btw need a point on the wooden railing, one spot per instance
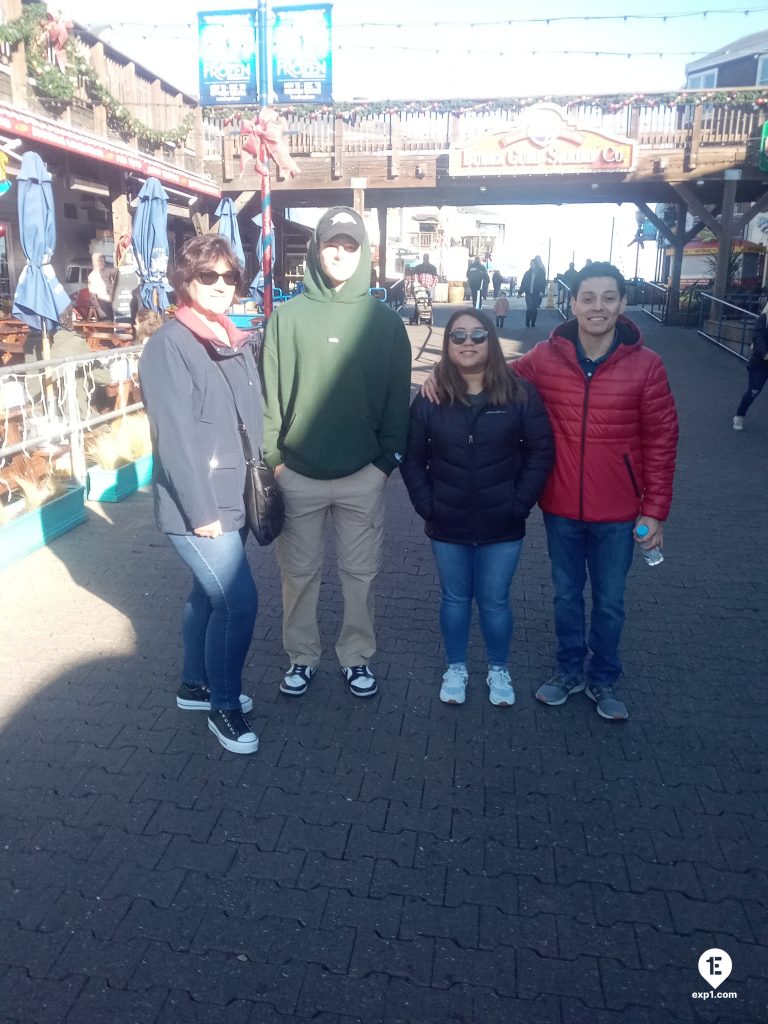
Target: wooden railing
(651, 124)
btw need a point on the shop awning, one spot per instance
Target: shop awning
(52, 133)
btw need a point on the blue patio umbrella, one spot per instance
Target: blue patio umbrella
(229, 228)
(149, 239)
(256, 290)
(39, 299)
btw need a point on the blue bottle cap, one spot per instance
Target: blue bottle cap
(641, 530)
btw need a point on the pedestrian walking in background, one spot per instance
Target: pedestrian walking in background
(337, 374)
(474, 467)
(533, 286)
(757, 368)
(501, 309)
(198, 379)
(426, 275)
(477, 279)
(496, 281)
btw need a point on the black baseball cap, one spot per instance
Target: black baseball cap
(338, 221)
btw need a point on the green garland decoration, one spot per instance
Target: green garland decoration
(57, 88)
(352, 112)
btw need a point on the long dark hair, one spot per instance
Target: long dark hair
(201, 253)
(499, 383)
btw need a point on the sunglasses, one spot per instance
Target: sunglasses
(477, 337)
(210, 277)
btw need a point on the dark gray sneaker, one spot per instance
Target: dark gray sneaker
(233, 732)
(198, 698)
(559, 688)
(608, 704)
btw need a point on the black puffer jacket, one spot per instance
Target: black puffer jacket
(474, 473)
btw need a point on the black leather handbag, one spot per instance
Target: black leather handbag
(264, 508)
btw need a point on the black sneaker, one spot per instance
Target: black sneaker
(361, 680)
(198, 698)
(233, 732)
(297, 679)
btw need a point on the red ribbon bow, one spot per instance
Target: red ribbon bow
(267, 128)
(58, 29)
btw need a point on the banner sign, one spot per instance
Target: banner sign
(544, 139)
(54, 133)
(301, 54)
(227, 47)
(762, 161)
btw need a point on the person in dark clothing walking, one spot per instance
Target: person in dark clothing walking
(474, 467)
(496, 282)
(757, 368)
(477, 278)
(533, 286)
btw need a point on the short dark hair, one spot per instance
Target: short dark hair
(599, 270)
(499, 383)
(201, 253)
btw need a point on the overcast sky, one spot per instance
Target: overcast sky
(404, 50)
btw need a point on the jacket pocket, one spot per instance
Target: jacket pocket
(631, 473)
(227, 474)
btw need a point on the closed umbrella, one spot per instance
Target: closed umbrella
(256, 290)
(229, 228)
(149, 239)
(39, 299)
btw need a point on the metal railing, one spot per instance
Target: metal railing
(49, 407)
(655, 300)
(727, 325)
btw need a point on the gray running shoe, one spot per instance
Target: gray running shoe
(608, 704)
(559, 688)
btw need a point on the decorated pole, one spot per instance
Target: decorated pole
(266, 142)
(266, 229)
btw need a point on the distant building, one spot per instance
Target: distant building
(741, 63)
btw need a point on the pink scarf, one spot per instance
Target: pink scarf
(192, 320)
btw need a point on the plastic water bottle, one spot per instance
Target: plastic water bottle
(652, 556)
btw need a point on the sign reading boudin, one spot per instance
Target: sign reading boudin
(543, 139)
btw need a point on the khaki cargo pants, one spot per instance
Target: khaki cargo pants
(354, 506)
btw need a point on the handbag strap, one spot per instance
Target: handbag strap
(244, 439)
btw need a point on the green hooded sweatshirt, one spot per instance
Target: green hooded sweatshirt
(336, 376)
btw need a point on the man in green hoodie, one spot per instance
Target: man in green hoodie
(336, 375)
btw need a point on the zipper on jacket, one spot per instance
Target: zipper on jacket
(631, 472)
(584, 411)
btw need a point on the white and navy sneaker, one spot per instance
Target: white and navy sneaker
(198, 698)
(362, 682)
(233, 732)
(297, 679)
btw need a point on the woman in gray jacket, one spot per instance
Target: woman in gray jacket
(198, 377)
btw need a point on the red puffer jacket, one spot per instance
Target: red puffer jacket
(615, 434)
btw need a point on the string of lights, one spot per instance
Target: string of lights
(477, 23)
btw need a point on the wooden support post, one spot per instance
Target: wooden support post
(358, 202)
(673, 301)
(99, 65)
(382, 213)
(691, 157)
(337, 163)
(395, 142)
(732, 178)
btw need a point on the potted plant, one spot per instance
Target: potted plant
(36, 511)
(122, 459)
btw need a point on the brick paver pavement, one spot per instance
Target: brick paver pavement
(395, 861)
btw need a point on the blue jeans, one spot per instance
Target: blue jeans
(219, 614)
(483, 572)
(605, 550)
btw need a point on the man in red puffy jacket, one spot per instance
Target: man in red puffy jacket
(615, 428)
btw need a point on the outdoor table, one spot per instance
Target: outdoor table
(103, 334)
(13, 334)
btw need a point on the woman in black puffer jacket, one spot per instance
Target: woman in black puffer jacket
(475, 465)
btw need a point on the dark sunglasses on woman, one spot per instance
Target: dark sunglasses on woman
(477, 336)
(211, 277)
